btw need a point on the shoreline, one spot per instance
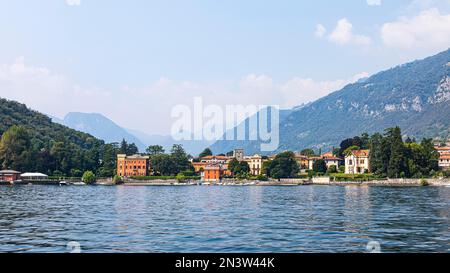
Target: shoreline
(299, 182)
(230, 183)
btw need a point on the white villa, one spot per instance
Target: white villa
(357, 162)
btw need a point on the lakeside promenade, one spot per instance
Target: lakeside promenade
(296, 182)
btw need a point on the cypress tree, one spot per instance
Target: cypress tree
(396, 162)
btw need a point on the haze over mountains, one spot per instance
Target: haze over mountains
(414, 96)
(104, 128)
(99, 126)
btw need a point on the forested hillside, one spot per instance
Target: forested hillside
(32, 142)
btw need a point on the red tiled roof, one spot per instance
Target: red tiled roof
(361, 153)
(329, 154)
(214, 157)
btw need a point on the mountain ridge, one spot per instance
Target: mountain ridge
(414, 96)
(100, 126)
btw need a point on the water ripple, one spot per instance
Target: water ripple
(224, 219)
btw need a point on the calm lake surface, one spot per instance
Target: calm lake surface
(224, 219)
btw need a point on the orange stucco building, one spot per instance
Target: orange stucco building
(135, 165)
(212, 173)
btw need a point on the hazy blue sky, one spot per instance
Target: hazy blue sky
(142, 57)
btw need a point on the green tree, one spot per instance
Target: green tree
(350, 149)
(132, 149)
(108, 160)
(308, 152)
(128, 149)
(397, 161)
(123, 147)
(62, 154)
(243, 168)
(376, 154)
(180, 159)
(15, 149)
(266, 168)
(320, 166)
(238, 168)
(155, 150)
(362, 142)
(117, 180)
(181, 178)
(206, 152)
(233, 165)
(431, 156)
(89, 177)
(284, 166)
(332, 169)
(76, 173)
(163, 164)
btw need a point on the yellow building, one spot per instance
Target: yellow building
(255, 163)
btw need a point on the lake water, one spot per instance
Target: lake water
(224, 219)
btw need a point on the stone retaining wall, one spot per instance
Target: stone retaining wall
(388, 182)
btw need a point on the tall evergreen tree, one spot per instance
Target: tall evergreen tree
(206, 152)
(376, 154)
(155, 150)
(397, 166)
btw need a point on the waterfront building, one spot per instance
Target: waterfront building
(444, 161)
(332, 160)
(255, 163)
(357, 162)
(199, 166)
(312, 160)
(302, 161)
(307, 163)
(444, 157)
(212, 173)
(135, 165)
(33, 176)
(9, 175)
(214, 159)
(443, 150)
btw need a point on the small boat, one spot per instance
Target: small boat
(206, 184)
(79, 184)
(63, 183)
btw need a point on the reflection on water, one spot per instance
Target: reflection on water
(224, 219)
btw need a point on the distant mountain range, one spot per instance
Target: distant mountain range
(104, 128)
(414, 96)
(99, 126)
